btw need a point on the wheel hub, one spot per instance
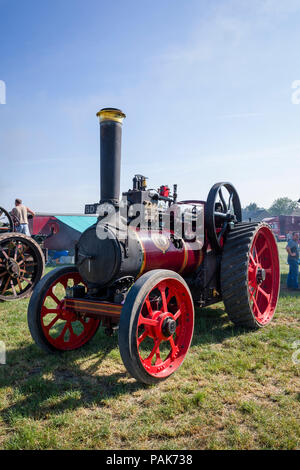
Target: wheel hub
(66, 313)
(13, 268)
(168, 327)
(260, 275)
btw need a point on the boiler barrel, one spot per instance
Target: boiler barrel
(158, 252)
(101, 261)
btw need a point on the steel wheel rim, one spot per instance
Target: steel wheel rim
(156, 322)
(18, 268)
(220, 211)
(59, 330)
(6, 223)
(263, 276)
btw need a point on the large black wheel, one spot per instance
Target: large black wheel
(6, 221)
(222, 209)
(156, 326)
(250, 275)
(22, 265)
(52, 326)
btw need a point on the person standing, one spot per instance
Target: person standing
(293, 260)
(20, 217)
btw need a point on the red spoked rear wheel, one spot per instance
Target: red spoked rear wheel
(263, 275)
(52, 325)
(250, 275)
(156, 326)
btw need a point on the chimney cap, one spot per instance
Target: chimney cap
(111, 114)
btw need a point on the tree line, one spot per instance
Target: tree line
(281, 206)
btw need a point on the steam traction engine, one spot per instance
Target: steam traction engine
(147, 262)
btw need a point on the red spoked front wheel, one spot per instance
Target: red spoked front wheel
(51, 324)
(156, 326)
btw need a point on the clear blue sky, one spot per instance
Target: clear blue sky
(205, 84)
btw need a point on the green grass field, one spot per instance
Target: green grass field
(236, 389)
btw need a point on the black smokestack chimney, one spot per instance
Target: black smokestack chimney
(110, 153)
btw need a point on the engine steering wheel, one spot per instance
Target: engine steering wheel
(222, 209)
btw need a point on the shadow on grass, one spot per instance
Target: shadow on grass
(44, 385)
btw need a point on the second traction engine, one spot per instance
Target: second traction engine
(147, 262)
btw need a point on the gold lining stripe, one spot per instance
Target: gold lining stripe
(185, 258)
(200, 255)
(95, 307)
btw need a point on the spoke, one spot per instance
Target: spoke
(51, 310)
(3, 274)
(164, 300)
(142, 337)
(154, 350)
(147, 321)
(178, 313)
(264, 293)
(64, 282)
(19, 284)
(149, 307)
(255, 303)
(262, 249)
(252, 293)
(9, 248)
(173, 346)
(4, 253)
(60, 338)
(53, 296)
(220, 235)
(252, 259)
(52, 323)
(25, 279)
(13, 288)
(30, 264)
(229, 202)
(223, 200)
(170, 295)
(158, 358)
(72, 334)
(6, 285)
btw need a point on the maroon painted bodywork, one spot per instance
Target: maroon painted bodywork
(160, 253)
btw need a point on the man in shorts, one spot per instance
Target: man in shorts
(20, 217)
